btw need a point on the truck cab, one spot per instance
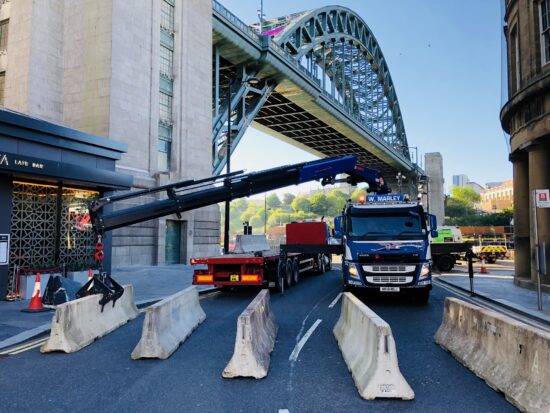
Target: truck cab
(386, 245)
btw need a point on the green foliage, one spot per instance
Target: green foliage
(465, 194)
(320, 204)
(301, 203)
(273, 201)
(288, 198)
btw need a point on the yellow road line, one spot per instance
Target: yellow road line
(26, 348)
(22, 347)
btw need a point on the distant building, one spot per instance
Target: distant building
(475, 186)
(497, 198)
(490, 185)
(525, 117)
(460, 180)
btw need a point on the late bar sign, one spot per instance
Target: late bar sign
(19, 162)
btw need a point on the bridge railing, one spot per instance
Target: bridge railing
(290, 60)
(236, 21)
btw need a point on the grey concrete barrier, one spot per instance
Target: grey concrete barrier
(78, 323)
(368, 347)
(254, 341)
(510, 356)
(168, 323)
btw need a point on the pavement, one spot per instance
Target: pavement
(317, 380)
(498, 285)
(151, 283)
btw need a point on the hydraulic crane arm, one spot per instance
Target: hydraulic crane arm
(188, 195)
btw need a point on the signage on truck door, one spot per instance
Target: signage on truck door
(543, 198)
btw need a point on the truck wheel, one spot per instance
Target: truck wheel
(288, 273)
(295, 271)
(445, 263)
(320, 264)
(280, 276)
(328, 267)
(491, 260)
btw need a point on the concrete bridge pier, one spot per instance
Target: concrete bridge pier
(539, 178)
(522, 213)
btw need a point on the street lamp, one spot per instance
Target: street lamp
(238, 81)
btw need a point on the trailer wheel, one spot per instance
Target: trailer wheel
(288, 273)
(295, 271)
(320, 264)
(445, 263)
(328, 267)
(280, 276)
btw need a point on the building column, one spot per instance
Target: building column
(539, 178)
(5, 225)
(522, 246)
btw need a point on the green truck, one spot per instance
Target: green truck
(447, 247)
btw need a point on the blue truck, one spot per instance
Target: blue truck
(386, 246)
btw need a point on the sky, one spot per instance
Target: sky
(445, 60)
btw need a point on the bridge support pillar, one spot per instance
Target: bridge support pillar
(522, 214)
(539, 178)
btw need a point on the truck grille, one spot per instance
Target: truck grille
(389, 279)
(389, 268)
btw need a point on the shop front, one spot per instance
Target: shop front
(48, 174)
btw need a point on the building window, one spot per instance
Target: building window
(165, 101)
(2, 87)
(515, 72)
(166, 60)
(4, 26)
(167, 15)
(164, 147)
(544, 12)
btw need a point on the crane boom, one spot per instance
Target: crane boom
(188, 195)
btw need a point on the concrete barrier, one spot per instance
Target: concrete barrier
(368, 347)
(250, 243)
(510, 356)
(78, 323)
(255, 340)
(168, 323)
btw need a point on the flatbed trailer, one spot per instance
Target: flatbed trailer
(271, 269)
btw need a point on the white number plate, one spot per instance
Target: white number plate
(390, 289)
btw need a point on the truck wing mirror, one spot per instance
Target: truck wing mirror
(433, 222)
(435, 234)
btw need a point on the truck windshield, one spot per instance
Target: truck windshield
(383, 226)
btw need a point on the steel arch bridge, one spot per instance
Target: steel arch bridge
(324, 87)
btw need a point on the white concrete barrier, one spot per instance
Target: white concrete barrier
(168, 323)
(250, 243)
(78, 323)
(255, 340)
(368, 347)
(510, 356)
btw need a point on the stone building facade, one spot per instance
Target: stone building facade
(497, 198)
(526, 117)
(138, 72)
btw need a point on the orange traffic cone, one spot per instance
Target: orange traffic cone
(483, 267)
(36, 306)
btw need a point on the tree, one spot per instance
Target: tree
(465, 194)
(273, 201)
(320, 204)
(288, 198)
(301, 203)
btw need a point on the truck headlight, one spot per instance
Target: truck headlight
(353, 271)
(425, 270)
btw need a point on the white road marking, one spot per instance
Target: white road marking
(302, 342)
(283, 411)
(335, 300)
